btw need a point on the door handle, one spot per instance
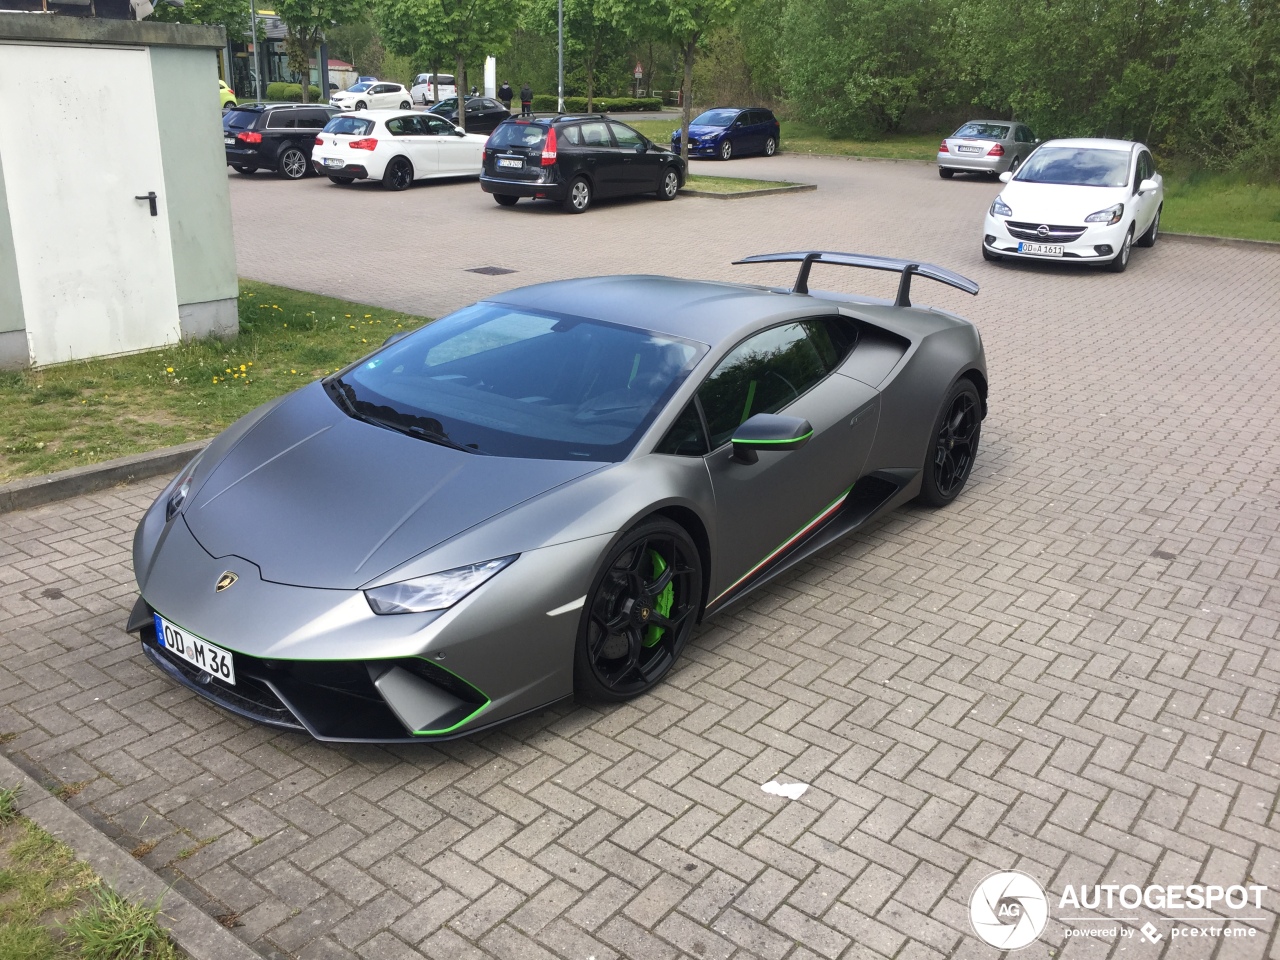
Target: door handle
(150, 197)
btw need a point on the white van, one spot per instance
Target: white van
(423, 93)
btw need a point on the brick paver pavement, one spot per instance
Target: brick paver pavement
(1073, 671)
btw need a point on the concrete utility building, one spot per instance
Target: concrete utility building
(115, 218)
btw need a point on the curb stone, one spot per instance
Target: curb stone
(199, 935)
(763, 192)
(1268, 245)
(37, 491)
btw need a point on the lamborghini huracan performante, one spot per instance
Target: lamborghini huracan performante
(543, 493)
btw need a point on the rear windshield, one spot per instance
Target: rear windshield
(510, 382)
(983, 131)
(715, 118)
(518, 135)
(349, 126)
(240, 119)
(1076, 166)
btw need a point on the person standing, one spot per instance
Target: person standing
(526, 101)
(506, 94)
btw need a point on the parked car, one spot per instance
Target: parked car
(483, 113)
(1084, 201)
(569, 477)
(985, 146)
(726, 132)
(424, 92)
(227, 96)
(576, 160)
(396, 147)
(372, 95)
(273, 136)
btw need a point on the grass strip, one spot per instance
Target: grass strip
(732, 184)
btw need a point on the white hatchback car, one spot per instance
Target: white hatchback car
(1082, 201)
(396, 147)
(372, 95)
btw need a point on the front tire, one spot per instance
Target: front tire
(989, 256)
(398, 175)
(361, 105)
(670, 185)
(639, 613)
(1121, 260)
(579, 198)
(505, 200)
(292, 164)
(1148, 239)
(726, 149)
(770, 147)
(954, 446)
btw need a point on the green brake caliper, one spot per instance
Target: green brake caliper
(662, 602)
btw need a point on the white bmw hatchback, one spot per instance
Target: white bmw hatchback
(1080, 201)
(396, 147)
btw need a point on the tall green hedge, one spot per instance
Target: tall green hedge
(290, 92)
(546, 103)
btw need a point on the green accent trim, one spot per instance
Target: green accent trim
(463, 722)
(762, 443)
(635, 368)
(746, 407)
(662, 603)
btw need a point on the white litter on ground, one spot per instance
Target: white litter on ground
(792, 791)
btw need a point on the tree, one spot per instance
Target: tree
(232, 14)
(305, 22)
(595, 34)
(432, 31)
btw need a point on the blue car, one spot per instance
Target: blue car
(726, 132)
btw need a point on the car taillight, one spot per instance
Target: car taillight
(368, 143)
(230, 91)
(943, 147)
(996, 151)
(249, 136)
(319, 142)
(549, 148)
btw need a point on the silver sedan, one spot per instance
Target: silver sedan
(985, 146)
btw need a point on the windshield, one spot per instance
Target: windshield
(983, 131)
(715, 118)
(359, 88)
(349, 126)
(1077, 167)
(514, 383)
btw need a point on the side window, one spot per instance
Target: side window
(399, 127)
(571, 135)
(596, 135)
(281, 120)
(627, 138)
(1148, 165)
(763, 375)
(437, 126)
(685, 438)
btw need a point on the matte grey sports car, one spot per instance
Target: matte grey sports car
(543, 493)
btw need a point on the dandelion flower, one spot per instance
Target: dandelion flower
(293, 371)
(242, 366)
(368, 315)
(168, 369)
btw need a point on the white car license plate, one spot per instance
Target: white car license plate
(199, 653)
(229, 141)
(508, 162)
(963, 149)
(332, 162)
(1041, 249)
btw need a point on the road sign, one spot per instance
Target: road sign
(639, 70)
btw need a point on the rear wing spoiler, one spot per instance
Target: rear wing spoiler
(807, 258)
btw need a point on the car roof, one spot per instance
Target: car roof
(1002, 123)
(1093, 143)
(703, 310)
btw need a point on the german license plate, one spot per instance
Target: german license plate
(229, 141)
(1041, 249)
(332, 162)
(510, 162)
(964, 149)
(196, 651)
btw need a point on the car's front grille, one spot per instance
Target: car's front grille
(249, 697)
(1053, 233)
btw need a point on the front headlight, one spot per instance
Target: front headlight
(1000, 209)
(438, 591)
(1108, 216)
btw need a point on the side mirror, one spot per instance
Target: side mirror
(1006, 176)
(769, 432)
(1146, 185)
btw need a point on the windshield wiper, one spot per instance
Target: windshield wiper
(380, 415)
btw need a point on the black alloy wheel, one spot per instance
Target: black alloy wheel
(726, 149)
(292, 164)
(505, 199)
(398, 175)
(639, 614)
(670, 185)
(770, 147)
(955, 445)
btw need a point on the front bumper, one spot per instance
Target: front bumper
(1097, 242)
(538, 190)
(697, 149)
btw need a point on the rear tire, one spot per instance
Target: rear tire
(1148, 239)
(505, 200)
(292, 164)
(770, 147)
(670, 185)
(1121, 260)
(406, 105)
(953, 446)
(579, 196)
(946, 174)
(398, 175)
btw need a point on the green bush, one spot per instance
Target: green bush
(546, 103)
(290, 92)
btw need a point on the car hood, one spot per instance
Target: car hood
(697, 131)
(1057, 204)
(317, 499)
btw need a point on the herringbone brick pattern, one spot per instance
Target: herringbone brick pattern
(1073, 671)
